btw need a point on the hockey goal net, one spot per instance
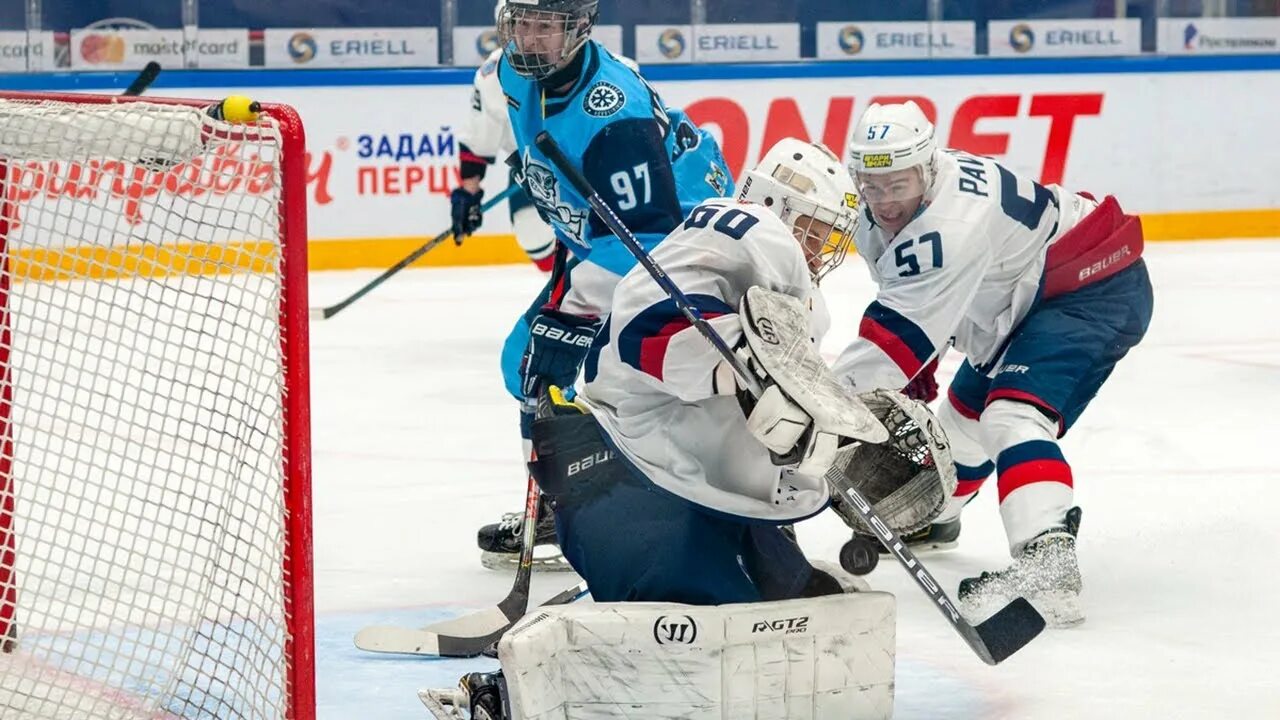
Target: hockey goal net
(154, 437)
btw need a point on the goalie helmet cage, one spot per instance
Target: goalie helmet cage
(155, 523)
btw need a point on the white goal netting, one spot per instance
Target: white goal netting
(147, 568)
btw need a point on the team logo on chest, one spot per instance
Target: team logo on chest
(543, 187)
(603, 99)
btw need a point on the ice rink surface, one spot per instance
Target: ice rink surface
(415, 446)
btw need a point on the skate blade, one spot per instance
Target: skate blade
(1060, 609)
(444, 704)
(507, 562)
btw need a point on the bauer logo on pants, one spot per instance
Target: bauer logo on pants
(675, 630)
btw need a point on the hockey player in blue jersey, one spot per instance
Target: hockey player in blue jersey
(649, 162)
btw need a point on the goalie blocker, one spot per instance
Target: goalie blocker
(823, 658)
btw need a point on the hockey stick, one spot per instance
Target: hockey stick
(470, 635)
(467, 636)
(994, 639)
(143, 81)
(461, 637)
(327, 312)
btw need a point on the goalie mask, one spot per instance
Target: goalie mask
(892, 158)
(907, 479)
(540, 37)
(804, 185)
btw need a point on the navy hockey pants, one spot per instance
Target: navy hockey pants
(637, 542)
(1064, 350)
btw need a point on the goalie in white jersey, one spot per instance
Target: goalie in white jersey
(676, 487)
(1042, 290)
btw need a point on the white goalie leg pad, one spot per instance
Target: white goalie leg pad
(776, 327)
(818, 658)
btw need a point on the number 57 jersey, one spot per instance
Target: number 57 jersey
(965, 270)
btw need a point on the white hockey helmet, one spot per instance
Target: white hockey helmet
(891, 138)
(804, 185)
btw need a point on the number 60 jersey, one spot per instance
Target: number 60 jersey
(965, 270)
(649, 379)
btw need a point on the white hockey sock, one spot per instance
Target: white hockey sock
(1035, 482)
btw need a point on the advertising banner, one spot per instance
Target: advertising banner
(118, 49)
(17, 56)
(1064, 38)
(886, 40)
(713, 43)
(386, 170)
(351, 47)
(1218, 35)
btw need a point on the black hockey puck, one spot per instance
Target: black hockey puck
(860, 555)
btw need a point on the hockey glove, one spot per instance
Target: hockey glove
(924, 386)
(558, 343)
(777, 421)
(790, 434)
(465, 213)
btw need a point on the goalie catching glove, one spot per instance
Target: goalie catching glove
(804, 410)
(908, 478)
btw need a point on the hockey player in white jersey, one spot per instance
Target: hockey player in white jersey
(691, 479)
(1043, 290)
(671, 484)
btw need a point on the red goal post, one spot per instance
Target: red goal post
(155, 510)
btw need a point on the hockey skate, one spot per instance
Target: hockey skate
(848, 582)
(861, 554)
(937, 536)
(500, 542)
(479, 696)
(1046, 573)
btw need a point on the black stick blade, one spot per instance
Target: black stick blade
(1006, 632)
(144, 80)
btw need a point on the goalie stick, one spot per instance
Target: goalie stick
(325, 313)
(994, 639)
(461, 637)
(470, 635)
(143, 81)
(467, 636)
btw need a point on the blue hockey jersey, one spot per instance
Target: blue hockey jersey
(648, 162)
